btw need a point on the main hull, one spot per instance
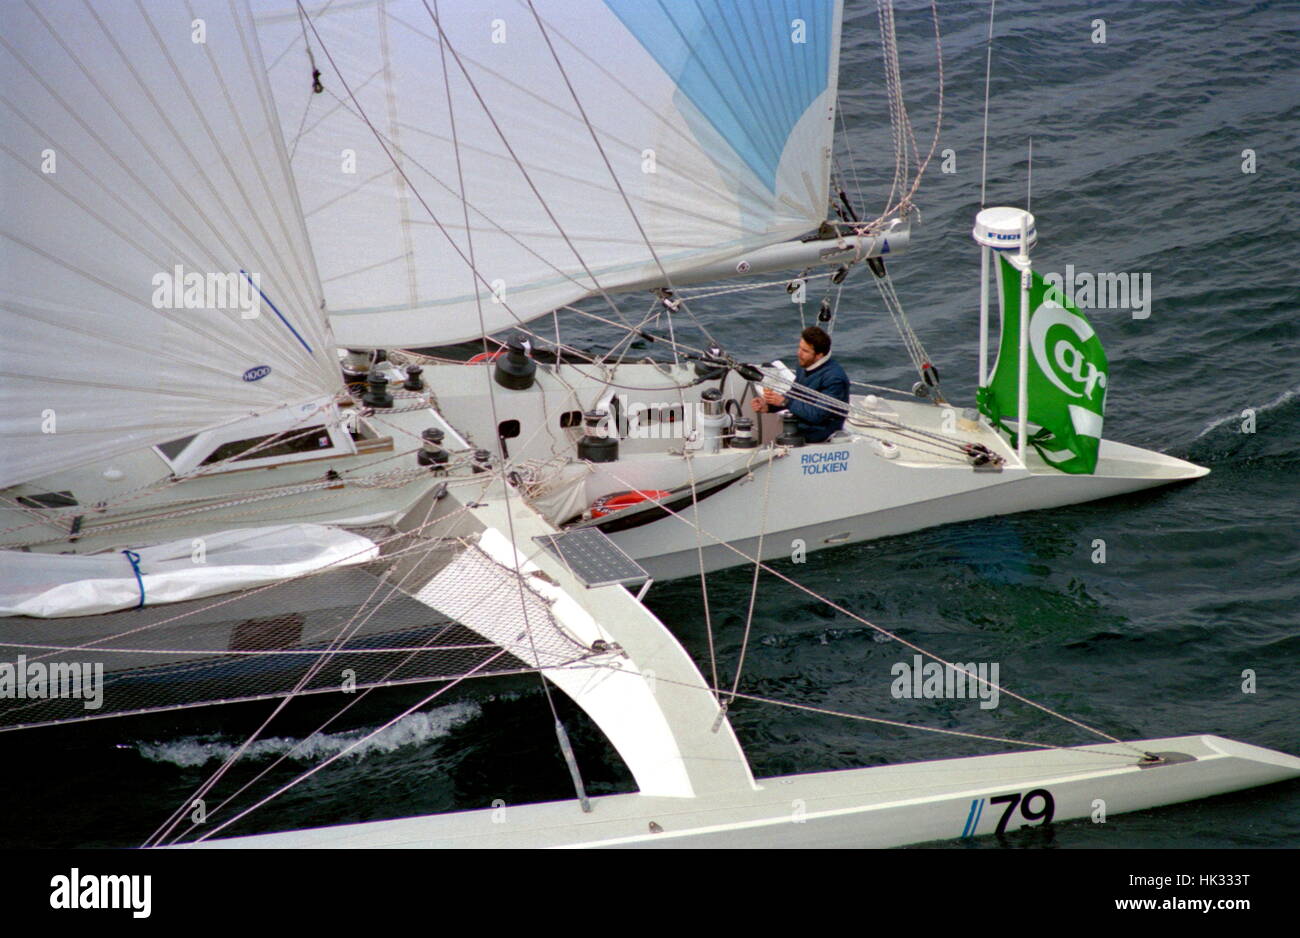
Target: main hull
(897, 468)
(880, 499)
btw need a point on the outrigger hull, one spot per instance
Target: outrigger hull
(883, 806)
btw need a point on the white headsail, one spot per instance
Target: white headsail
(715, 117)
(155, 274)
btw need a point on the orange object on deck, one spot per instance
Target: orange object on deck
(607, 504)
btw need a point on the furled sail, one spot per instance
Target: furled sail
(597, 141)
(155, 275)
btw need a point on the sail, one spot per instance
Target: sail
(1067, 374)
(596, 142)
(155, 275)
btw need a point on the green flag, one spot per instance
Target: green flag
(1067, 375)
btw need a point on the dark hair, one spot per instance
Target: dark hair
(818, 339)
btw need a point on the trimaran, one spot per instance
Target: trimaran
(258, 466)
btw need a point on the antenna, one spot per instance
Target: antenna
(988, 71)
(1029, 182)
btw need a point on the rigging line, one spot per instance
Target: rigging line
(443, 46)
(988, 72)
(180, 252)
(889, 42)
(168, 481)
(910, 341)
(342, 752)
(895, 119)
(828, 402)
(914, 155)
(217, 145)
(825, 711)
(216, 337)
(445, 41)
(629, 337)
(668, 282)
(938, 121)
(699, 550)
(413, 652)
(881, 387)
(709, 292)
(243, 594)
(687, 181)
(297, 138)
(848, 149)
(909, 137)
(311, 56)
(753, 589)
(257, 70)
(345, 634)
(76, 115)
(289, 47)
(365, 692)
(838, 608)
(403, 200)
(388, 152)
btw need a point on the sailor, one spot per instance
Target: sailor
(817, 373)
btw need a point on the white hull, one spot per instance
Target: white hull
(869, 497)
(874, 499)
(885, 806)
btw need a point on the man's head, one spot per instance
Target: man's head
(814, 344)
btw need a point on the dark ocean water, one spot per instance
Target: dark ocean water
(1137, 167)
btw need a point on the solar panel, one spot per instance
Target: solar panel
(593, 558)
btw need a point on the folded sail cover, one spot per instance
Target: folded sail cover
(1067, 374)
(144, 176)
(61, 585)
(715, 117)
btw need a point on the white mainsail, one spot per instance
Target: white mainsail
(146, 193)
(715, 116)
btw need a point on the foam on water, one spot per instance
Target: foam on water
(1276, 402)
(412, 730)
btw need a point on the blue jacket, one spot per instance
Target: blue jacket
(816, 423)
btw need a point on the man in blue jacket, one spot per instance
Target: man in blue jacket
(818, 373)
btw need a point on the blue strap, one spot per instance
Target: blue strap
(135, 566)
(277, 312)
